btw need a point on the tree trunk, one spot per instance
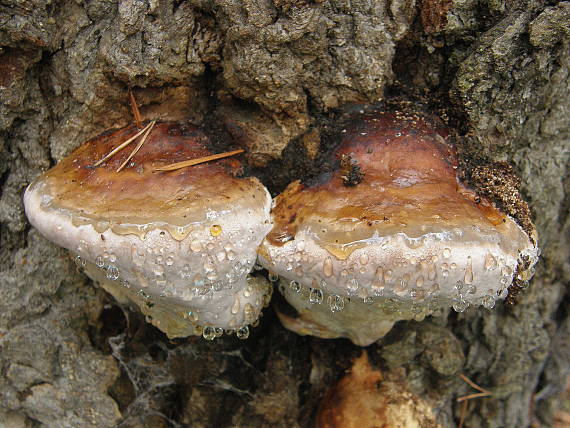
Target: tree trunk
(278, 70)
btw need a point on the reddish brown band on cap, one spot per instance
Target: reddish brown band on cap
(410, 178)
(137, 193)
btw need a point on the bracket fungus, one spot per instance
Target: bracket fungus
(367, 398)
(392, 234)
(179, 243)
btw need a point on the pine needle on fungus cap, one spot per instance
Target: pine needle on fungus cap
(123, 145)
(191, 162)
(139, 145)
(135, 109)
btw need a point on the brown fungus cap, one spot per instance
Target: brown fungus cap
(391, 234)
(366, 398)
(179, 243)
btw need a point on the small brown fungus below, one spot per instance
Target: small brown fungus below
(405, 241)
(367, 398)
(180, 244)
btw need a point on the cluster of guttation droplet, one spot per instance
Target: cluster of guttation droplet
(418, 288)
(205, 285)
(213, 277)
(337, 303)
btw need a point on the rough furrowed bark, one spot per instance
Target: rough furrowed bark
(275, 74)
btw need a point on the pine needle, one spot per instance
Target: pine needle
(475, 395)
(135, 109)
(139, 145)
(191, 162)
(474, 385)
(121, 146)
(465, 399)
(463, 414)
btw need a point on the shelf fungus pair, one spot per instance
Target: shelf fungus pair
(391, 234)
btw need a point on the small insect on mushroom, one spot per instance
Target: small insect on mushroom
(402, 238)
(177, 241)
(351, 172)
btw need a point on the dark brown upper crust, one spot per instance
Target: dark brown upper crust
(138, 194)
(409, 180)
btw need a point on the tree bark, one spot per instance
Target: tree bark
(278, 70)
